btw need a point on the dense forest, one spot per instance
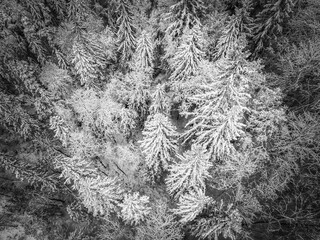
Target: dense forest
(159, 119)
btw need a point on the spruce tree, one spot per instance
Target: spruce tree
(184, 15)
(270, 22)
(191, 204)
(160, 224)
(126, 32)
(218, 119)
(134, 208)
(187, 59)
(189, 174)
(159, 144)
(238, 24)
(143, 56)
(160, 102)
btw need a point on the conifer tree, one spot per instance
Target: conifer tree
(184, 15)
(160, 102)
(191, 204)
(78, 10)
(222, 219)
(270, 22)
(189, 174)
(144, 56)
(126, 38)
(84, 63)
(160, 224)
(99, 194)
(35, 174)
(132, 90)
(238, 24)
(218, 119)
(160, 137)
(159, 143)
(14, 118)
(187, 59)
(61, 130)
(134, 208)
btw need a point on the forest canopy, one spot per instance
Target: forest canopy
(159, 119)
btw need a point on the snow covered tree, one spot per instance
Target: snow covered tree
(144, 56)
(60, 128)
(56, 80)
(186, 61)
(99, 194)
(84, 63)
(189, 174)
(87, 45)
(191, 204)
(132, 90)
(14, 118)
(160, 224)
(134, 208)
(270, 22)
(78, 10)
(238, 24)
(222, 219)
(299, 74)
(160, 103)
(35, 174)
(126, 38)
(184, 15)
(159, 144)
(218, 120)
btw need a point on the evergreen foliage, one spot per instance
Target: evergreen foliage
(134, 208)
(299, 74)
(187, 59)
(190, 173)
(191, 204)
(14, 118)
(159, 144)
(184, 15)
(160, 225)
(94, 96)
(223, 220)
(238, 24)
(33, 174)
(271, 21)
(160, 102)
(143, 56)
(218, 118)
(99, 194)
(132, 90)
(126, 32)
(78, 10)
(61, 130)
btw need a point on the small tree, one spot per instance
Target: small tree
(143, 56)
(190, 205)
(189, 174)
(160, 224)
(270, 22)
(134, 208)
(160, 102)
(126, 30)
(187, 59)
(184, 15)
(159, 144)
